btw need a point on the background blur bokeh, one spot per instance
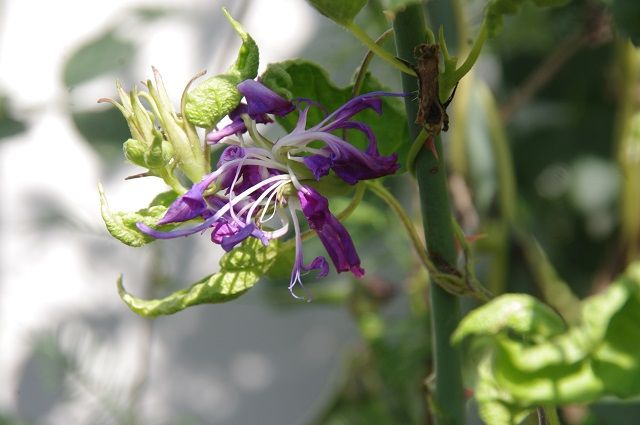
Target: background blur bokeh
(70, 350)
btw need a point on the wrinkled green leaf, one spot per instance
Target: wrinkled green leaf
(626, 15)
(519, 313)
(496, 9)
(214, 98)
(122, 225)
(240, 270)
(339, 11)
(217, 96)
(528, 362)
(303, 79)
(106, 53)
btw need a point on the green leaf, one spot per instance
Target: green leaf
(214, 98)
(122, 226)
(519, 313)
(626, 15)
(164, 199)
(106, 53)
(527, 361)
(398, 5)
(240, 270)
(339, 11)
(496, 9)
(303, 79)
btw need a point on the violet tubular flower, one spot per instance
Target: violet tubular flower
(255, 192)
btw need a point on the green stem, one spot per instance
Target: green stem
(364, 66)
(393, 203)
(378, 50)
(171, 180)
(551, 415)
(448, 396)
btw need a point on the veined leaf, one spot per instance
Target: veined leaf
(240, 270)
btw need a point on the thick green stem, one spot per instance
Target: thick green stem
(448, 397)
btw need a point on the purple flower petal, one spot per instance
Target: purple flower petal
(318, 263)
(370, 100)
(189, 205)
(331, 232)
(353, 168)
(262, 100)
(350, 164)
(319, 164)
(229, 242)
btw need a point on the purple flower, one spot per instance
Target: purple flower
(255, 192)
(260, 102)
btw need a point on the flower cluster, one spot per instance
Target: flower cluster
(260, 185)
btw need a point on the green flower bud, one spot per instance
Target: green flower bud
(134, 151)
(159, 154)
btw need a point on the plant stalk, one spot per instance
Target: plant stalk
(448, 397)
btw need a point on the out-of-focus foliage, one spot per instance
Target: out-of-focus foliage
(529, 359)
(9, 124)
(496, 9)
(627, 15)
(340, 11)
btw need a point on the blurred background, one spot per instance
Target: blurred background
(72, 353)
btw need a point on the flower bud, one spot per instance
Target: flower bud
(159, 153)
(134, 151)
